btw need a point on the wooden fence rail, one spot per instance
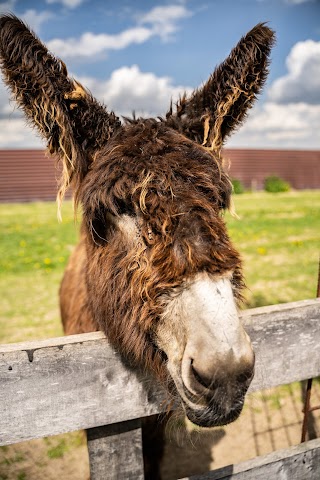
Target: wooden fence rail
(63, 384)
(300, 462)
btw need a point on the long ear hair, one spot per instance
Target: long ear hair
(72, 122)
(220, 106)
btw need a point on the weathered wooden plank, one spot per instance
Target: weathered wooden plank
(115, 451)
(286, 339)
(78, 382)
(45, 389)
(301, 462)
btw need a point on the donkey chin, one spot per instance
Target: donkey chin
(215, 405)
(210, 356)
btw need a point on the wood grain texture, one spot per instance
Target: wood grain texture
(48, 389)
(115, 451)
(78, 382)
(286, 339)
(301, 462)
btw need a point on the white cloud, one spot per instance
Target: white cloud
(291, 116)
(7, 6)
(35, 19)
(270, 125)
(7, 108)
(92, 44)
(160, 21)
(128, 89)
(32, 17)
(302, 83)
(4, 104)
(297, 2)
(67, 3)
(289, 119)
(295, 125)
(15, 134)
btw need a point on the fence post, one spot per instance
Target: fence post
(115, 451)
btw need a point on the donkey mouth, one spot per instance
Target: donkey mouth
(212, 406)
(213, 415)
(215, 408)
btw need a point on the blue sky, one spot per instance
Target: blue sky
(137, 55)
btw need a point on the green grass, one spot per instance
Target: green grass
(279, 238)
(34, 249)
(277, 234)
(22, 476)
(59, 449)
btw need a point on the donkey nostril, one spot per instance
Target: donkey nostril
(245, 375)
(205, 382)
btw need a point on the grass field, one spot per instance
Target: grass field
(277, 234)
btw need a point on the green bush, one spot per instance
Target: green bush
(276, 184)
(238, 186)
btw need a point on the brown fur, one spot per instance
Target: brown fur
(164, 178)
(154, 170)
(75, 314)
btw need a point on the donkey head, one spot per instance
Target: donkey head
(162, 277)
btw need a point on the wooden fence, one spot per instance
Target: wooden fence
(77, 382)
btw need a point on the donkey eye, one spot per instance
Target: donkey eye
(124, 207)
(102, 227)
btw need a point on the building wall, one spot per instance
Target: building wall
(300, 168)
(27, 175)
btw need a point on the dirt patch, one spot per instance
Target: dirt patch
(271, 420)
(63, 457)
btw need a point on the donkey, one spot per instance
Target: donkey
(154, 268)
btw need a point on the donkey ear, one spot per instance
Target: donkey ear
(74, 124)
(215, 110)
